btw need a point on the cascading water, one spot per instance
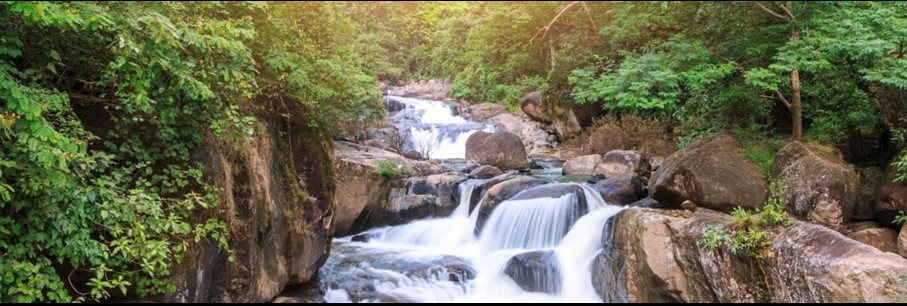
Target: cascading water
(441, 260)
(431, 128)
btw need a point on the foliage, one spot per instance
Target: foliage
(901, 218)
(102, 105)
(751, 234)
(900, 165)
(388, 170)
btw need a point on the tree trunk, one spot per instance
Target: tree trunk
(796, 112)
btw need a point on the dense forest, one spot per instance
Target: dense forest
(104, 103)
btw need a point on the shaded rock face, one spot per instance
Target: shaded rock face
(478, 192)
(622, 189)
(820, 186)
(711, 172)
(582, 165)
(567, 126)
(622, 161)
(484, 172)
(902, 241)
(892, 199)
(500, 193)
(536, 271)
(884, 239)
(412, 199)
(503, 150)
(531, 104)
(655, 256)
(277, 203)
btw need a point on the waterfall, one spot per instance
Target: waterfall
(413, 262)
(432, 128)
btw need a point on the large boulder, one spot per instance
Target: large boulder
(536, 140)
(622, 161)
(531, 104)
(394, 105)
(882, 238)
(503, 150)
(485, 111)
(537, 271)
(502, 192)
(582, 165)
(656, 256)
(622, 189)
(479, 190)
(819, 186)
(902, 241)
(711, 172)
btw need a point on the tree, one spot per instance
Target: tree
(793, 105)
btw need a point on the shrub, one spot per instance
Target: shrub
(388, 170)
(750, 235)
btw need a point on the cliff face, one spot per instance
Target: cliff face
(654, 256)
(277, 191)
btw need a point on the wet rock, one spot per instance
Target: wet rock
(622, 189)
(531, 104)
(884, 239)
(711, 172)
(478, 192)
(648, 202)
(819, 186)
(413, 155)
(537, 271)
(502, 150)
(808, 264)
(622, 161)
(394, 105)
(484, 172)
(365, 237)
(595, 178)
(502, 192)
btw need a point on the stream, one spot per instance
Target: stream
(530, 249)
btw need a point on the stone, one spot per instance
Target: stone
(485, 111)
(531, 104)
(712, 172)
(882, 238)
(688, 205)
(653, 256)
(892, 199)
(902, 241)
(595, 178)
(537, 271)
(484, 172)
(502, 192)
(622, 161)
(621, 189)
(819, 186)
(567, 126)
(582, 165)
(503, 150)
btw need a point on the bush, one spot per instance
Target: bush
(751, 235)
(388, 170)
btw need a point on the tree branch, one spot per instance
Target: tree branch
(787, 10)
(589, 14)
(783, 99)
(770, 11)
(548, 27)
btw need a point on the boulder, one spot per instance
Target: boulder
(622, 161)
(413, 199)
(478, 192)
(711, 172)
(622, 189)
(902, 241)
(531, 104)
(502, 150)
(656, 256)
(533, 134)
(819, 186)
(892, 199)
(882, 238)
(484, 172)
(537, 271)
(502, 192)
(485, 111)
(596, 178)
(567, 126)
(582, 165)
(394, 105)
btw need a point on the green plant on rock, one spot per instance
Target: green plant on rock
(388, 170)
(751, 235)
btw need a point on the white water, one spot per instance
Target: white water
(515, 226)
(440, 133)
